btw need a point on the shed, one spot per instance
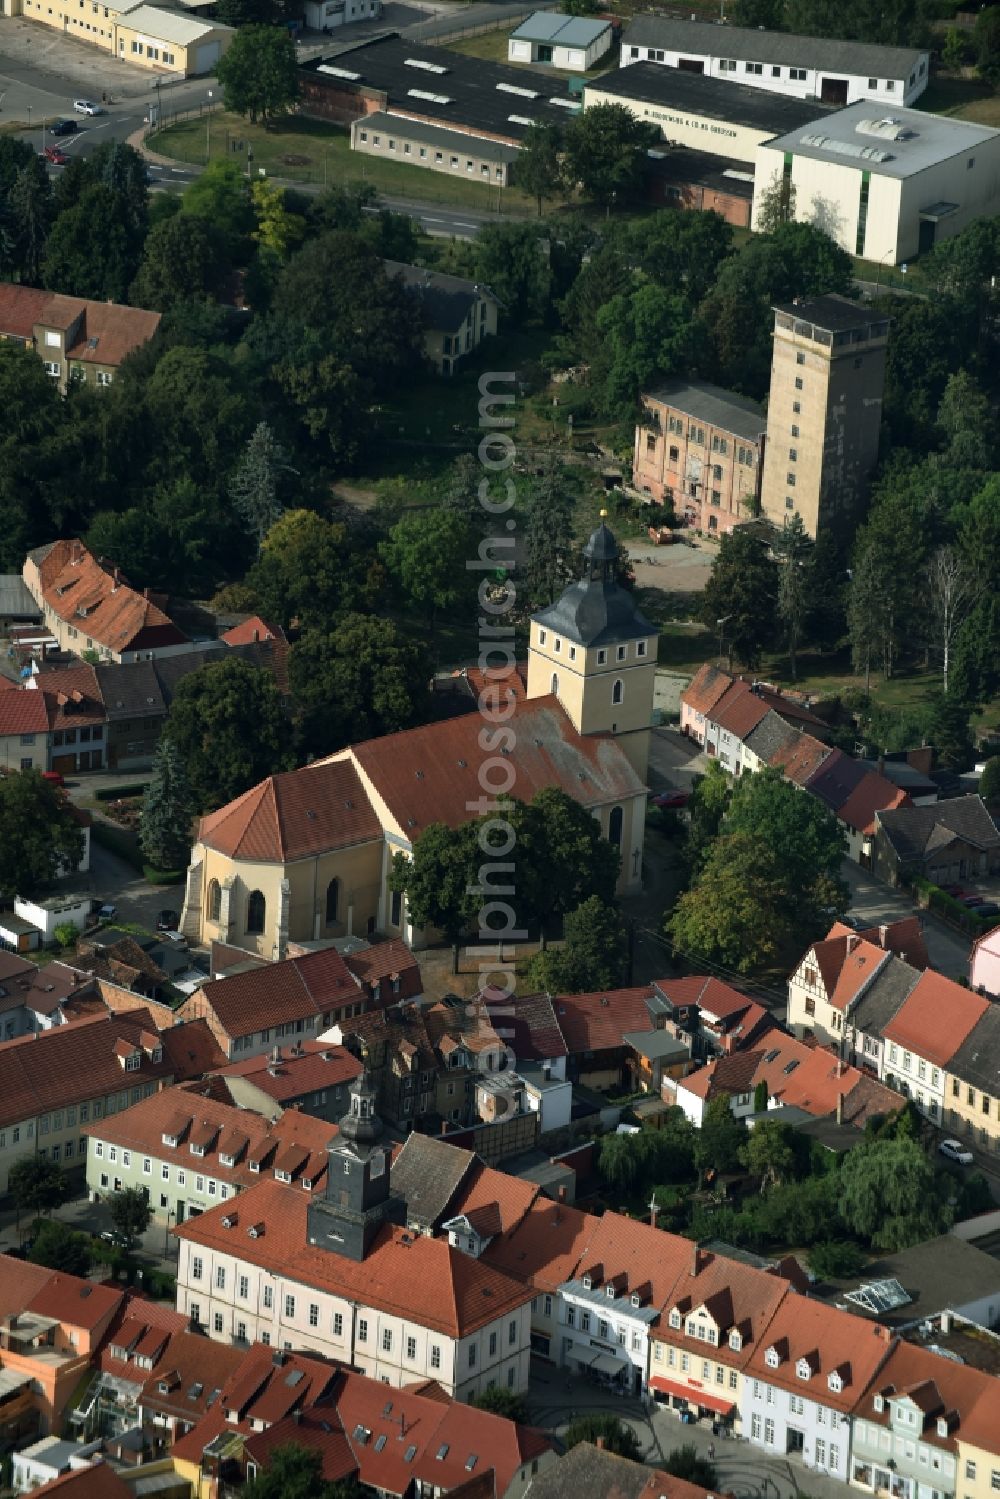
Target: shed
(570, 42)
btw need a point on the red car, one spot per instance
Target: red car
(671, 800)
(55, 156)
(53, 777)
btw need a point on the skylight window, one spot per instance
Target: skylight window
(419, 93)
(426, 67)
(514, 88)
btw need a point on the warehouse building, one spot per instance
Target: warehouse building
(703, 114)
(570, 42)
(680, 178)
(800, 67)
(393, 76)
(164, 41)
(889, 187)
(418, 144)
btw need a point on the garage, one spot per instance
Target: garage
(206, 57)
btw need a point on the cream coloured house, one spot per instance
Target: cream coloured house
(307, 854)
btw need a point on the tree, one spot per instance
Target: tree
(952, 590)
(440, 881)
(90, 251)
(548, 533)
(766, 14)
(769, 1153)
(56, 1246)
(361, 680)
(427, 552)
(720, 1142)
(278, 231)
(229, 725)
(866, 613)
(503, 1402)
(986, 38)
(562, 858)
(539, 163)
(740, 595)
(259, 73)
(297, 1473)
(794, 549)
(681, 249)
(131, 1215)
(31, 214)
(989, 782)
(165, 821)
(248, 12)
(646, 333)
(618, 1161)
(891, 1196)
(37, 1185)
(949, 731)
(767, 807)
(605, 153)
(836, 1259)
(684, 1462)
(39, 836)
(513, 261)
(594, 955)
(255, 482)
(183, 261)
(707, 806)
(220, 196)
(777, 204)
(616, 1435)
(965, 419)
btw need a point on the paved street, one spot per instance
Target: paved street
(744, 1471)
(158, 1248)
(875, 902)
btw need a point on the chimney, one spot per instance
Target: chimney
(654, 1209)
(885, 1333)
(840, 1108)
(883, 933)
(599, 1443)
(444, 1126)
(562, 1194)
(852, 941)
(695, 1259)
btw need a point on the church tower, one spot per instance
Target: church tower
(597, 654)
(357, 1201)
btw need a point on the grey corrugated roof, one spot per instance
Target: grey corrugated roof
(655, 1044)
(713, 98)
(15, 600)
(977, 1060)
(562, 30)
(712, 405)
(446, 300)
(749, 44)
(769, 736)
(130, 690)
(884, 996)
(911, 830)
(426, 1174)
(424, 133)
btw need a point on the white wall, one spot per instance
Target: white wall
(778, 79)
(700, 132)
(763, 1403)
(46, 921)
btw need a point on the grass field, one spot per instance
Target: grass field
(299, 149)
(492, 46)
(968, 98)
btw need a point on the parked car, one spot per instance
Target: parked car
(55, 156)
(988, 908)
(87, 107)
(958, 892)
(107, 912)
(670, 800)
(973, 900)
(53, 777)
(63, 127)
(954, 1150)
(167, 921)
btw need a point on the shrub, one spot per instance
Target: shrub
(113, 793)
(835, 1259)
(117, 841)
(65, 934)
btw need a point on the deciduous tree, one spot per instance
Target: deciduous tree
(594, 954)
(768, 1153)
(952, 590)
(440, 881)
(616, 1436)
(230, 728)
(605, 153)
(513, 261)
(427, 552)
(58, 1247)
(685, 1462)
(740, 596)
(37, 1185)
(562, 859)
(548, 533)
(39, 837)
(890, 1195)
(794, 549)
(539, 169)
(259, 73)
(720, 1141)
(297, 1473)
(360, 680)
(183, 261)
(502, 1402)
(131, 1215)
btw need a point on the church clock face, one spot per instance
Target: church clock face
(377, 1163)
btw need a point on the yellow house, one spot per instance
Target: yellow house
(308, 854)
(164, 41)
(972, 1084)
(716, 1315)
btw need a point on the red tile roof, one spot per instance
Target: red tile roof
(597, 1022)
(107, 333)
(510, 1196)
(938, 1387)
(51, 1293)
(798, 1075)
(71, 1063)
(23, 712)
(431, 774)
(251, 630)
(738, 1297)
(872, 794)
(407, 1275)
(706, 688)
(739, 709)
(847, 964)
(636, 1256)
(904, 938)
(527, 1023)
(194, 1370)
(935, 1018)
(306, 1068)
(545, 1248)
(21, 308)
(294, 989)
(221, 1129)
(294, 815)
(83, 593)
(833, 1341)
(317, 1429)
(386, 960)
(801, 758)
(96, 1481)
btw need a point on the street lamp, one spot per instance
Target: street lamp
(29, 117)
(166, 1232)
(721, 623)
(208, 130)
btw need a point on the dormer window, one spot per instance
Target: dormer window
(156, 1055)
(675, 1319)
(227, 1160)
(610, 1292)
(635, 1299)
(307, 1184)
(170, 1140)
(772, 1358)
(283, 1176)
(736, 1341)
(878, 1404)
(197, 1149)
(942, 1426)
(254, 1166)
(803, 1368)
(133, 1061)
(835, 1383)
(588, 1283)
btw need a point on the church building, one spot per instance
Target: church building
(306, 855)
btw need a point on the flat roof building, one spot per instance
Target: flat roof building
(885, 187)
(706, 114)
(800, 67)
(571, 42)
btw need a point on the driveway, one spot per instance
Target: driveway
(674, 760)
(138, 903)
(876, 903)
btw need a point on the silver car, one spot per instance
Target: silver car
(954, 1150)
(87, 107)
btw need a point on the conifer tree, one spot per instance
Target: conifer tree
(165, 825)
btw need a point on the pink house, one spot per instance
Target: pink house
(984, 966)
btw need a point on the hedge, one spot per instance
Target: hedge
(112, 793)
(946, 906)
(118, 841)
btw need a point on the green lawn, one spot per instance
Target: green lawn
(300, 149)
(969, 98)
(492, 45)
